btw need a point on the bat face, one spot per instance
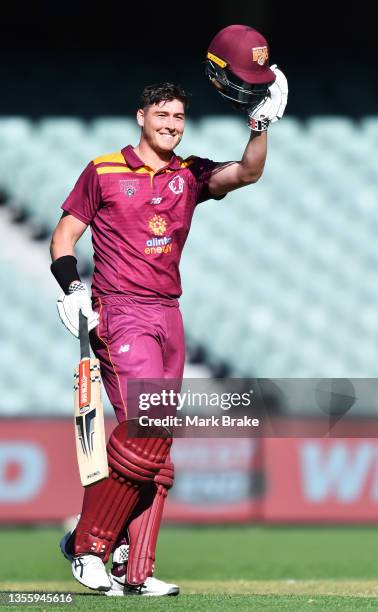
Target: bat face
(89, 422)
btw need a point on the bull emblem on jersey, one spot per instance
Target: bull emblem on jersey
(176, 184)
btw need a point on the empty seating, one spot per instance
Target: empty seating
(278, 278)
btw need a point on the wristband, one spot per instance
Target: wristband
(258, 125)
(65, 271)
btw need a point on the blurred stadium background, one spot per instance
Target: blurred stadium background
(279, 278)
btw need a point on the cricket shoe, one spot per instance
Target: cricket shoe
(89, 570)
(65, 545)
(152, 587)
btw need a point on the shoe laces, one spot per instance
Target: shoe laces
(88, 560)
(135, 588)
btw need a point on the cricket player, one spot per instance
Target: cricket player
(139, 204)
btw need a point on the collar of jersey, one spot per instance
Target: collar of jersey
(134, 162)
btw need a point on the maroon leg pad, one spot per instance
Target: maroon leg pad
(108, 504)
(143, 528)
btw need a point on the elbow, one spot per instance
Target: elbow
(255, 177)
(252, 175)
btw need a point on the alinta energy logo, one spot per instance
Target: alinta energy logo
(159, 244)
(157, 225)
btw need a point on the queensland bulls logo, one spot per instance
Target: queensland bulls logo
(260, 55)
(176, 184)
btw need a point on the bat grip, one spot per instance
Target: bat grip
(83, 336)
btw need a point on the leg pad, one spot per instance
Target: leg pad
(108, 504)
(143, 528)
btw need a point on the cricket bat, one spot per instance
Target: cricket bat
(89, 413)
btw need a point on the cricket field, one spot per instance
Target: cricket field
(217, 568)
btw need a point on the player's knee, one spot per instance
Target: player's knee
(138, 459)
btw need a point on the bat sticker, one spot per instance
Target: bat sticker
(85, 431)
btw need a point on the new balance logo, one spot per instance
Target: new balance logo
(124, 348)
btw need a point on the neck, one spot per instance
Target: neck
(151, 158)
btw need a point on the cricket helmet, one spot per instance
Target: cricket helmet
(237, 64)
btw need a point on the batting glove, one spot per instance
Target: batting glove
(70, 305)
(272, 109)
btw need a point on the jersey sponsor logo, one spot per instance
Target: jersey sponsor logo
(260, 55)
(158, 241)
(161, 245)
(177, 184)
(157, 225)
(158, 250)
(129, 186)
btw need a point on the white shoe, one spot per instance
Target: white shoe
(90, 571)
(152, 587)
(65, 538)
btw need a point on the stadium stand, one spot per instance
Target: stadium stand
(279, 277)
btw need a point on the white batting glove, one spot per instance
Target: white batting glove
(70, 305)
(272, 109)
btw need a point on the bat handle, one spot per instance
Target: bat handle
(84, 336)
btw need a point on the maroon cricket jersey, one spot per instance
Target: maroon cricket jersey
(139, 219)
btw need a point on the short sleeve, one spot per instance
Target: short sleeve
(201, 170)
(85, 198)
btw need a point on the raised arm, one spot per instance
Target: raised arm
(232, 175)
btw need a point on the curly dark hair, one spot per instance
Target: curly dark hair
(162, 92)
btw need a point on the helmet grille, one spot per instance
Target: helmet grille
(240, 93)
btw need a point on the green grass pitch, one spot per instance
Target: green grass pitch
(218, 568)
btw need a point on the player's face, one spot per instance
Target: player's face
(163, 124)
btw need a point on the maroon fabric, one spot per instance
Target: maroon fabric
(137, 337)
(108, 504)
(143, 533)
(139, 221)
(246, 52)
